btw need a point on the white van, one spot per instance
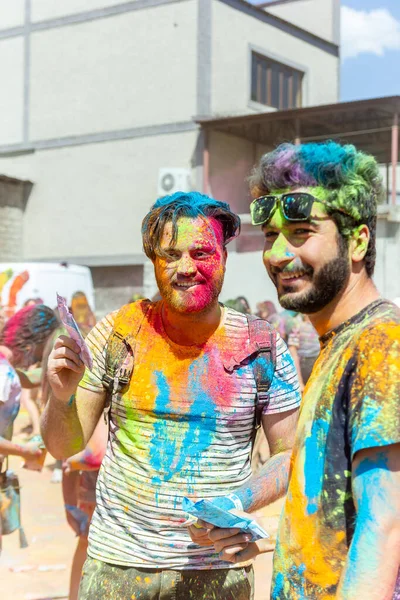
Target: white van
(22, 281)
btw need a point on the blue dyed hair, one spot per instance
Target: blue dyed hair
(185, 204)
(349, 178)
(32, 325)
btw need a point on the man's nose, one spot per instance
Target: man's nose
(186, 266)
(280, 254)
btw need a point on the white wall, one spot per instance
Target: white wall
(50, 9)
(317, 16)
(90, 200)
(12, 88)
(12, 13)
(232, 33)
(120, 72)
(387, 259)
(246, 276)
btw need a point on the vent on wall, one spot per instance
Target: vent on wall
(172, 180)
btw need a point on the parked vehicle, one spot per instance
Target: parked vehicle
(20, 282)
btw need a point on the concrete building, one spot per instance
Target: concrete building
(99, 95)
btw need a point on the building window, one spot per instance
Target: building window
(275, 84)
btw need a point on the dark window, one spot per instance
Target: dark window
(274, 84)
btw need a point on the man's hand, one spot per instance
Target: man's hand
(235, 546)
(199, 533)
(65, 368)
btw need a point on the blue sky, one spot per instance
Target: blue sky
(370, 49)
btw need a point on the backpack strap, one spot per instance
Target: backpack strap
(263, 343)
(119, 361)
(263, 340)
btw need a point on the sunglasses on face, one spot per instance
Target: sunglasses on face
(295, 207)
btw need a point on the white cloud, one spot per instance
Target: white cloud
(368, 32)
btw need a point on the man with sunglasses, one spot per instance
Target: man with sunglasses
(339, 535)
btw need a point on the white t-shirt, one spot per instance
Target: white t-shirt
(182, 428)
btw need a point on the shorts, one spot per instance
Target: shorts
(103, 581)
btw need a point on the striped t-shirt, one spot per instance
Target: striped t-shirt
(182, 428)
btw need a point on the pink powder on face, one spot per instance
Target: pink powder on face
(196, 262)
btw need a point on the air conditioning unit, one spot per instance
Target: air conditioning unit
(172, 180)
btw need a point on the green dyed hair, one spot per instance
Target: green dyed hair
(350, 180)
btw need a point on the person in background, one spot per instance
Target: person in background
(22, 343)
(267, 310)
(79, 493)
(29, 404)
(78, 473)
(3, 318)
(240, 304)
(32, 302)
(303, 344)
(82, 313)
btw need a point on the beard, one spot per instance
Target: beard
(327, 283)
(198, 301)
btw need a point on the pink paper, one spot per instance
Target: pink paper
(70, 325)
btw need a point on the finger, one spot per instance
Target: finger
(204, 525)
(68, 342)
(234, 549)
(66, 363)
(239, 554)
(232, 541)
(198, 531)
(199, 539)
(222, 533)
(65, 352)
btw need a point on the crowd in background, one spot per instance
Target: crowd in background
(26, 340)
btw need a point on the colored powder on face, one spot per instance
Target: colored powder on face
(196, 257)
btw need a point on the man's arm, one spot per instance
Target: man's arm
(270, 483)
(91, 457)
(70, 416)
(373, 561)
(27, 451)
(263, 488)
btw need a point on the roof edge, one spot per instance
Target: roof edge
(274, 20)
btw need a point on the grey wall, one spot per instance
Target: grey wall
(115, 286)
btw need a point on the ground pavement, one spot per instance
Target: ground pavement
(41, 571)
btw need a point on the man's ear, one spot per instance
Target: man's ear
(359, 243)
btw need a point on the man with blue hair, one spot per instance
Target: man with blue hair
(339, 535)
(185, 378)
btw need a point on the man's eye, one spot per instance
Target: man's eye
(270, 235)
(201, 254)
(302, 231)
(171, 256)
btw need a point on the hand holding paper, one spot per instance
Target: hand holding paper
(207, 511)
(73, 330)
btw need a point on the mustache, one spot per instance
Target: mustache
(294, 267)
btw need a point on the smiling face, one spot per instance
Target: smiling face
(307, 261)
(191, 272)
